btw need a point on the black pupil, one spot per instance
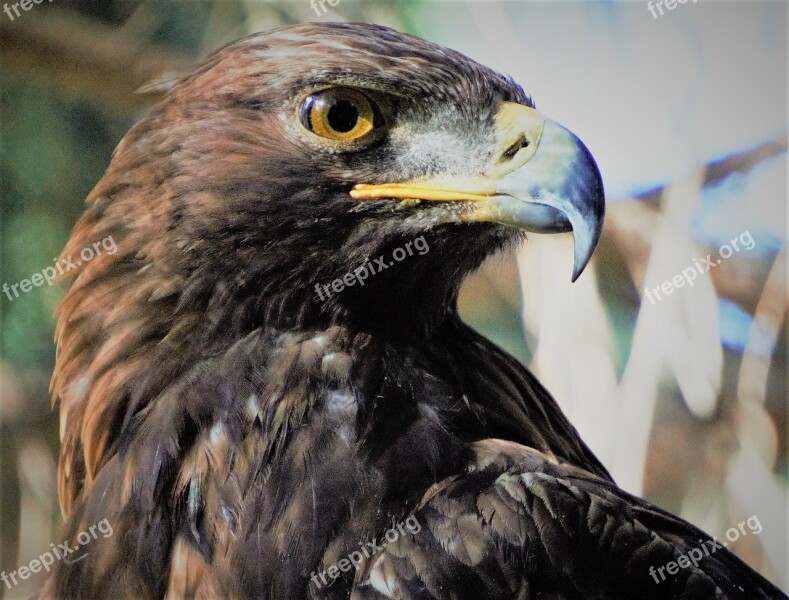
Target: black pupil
(343, 116)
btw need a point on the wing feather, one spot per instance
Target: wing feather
(520, 524)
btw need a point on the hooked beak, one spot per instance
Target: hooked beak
(543, 179)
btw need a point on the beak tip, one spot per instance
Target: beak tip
(578, 268)
(570, 194)
(586, 235)
(579, 264)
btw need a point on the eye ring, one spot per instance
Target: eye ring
(339, 114)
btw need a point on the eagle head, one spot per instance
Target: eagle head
(285, 163)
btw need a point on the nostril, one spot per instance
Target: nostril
(523, 142)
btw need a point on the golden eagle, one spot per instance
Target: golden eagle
(269, 376)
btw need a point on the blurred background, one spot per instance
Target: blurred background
(683, 397)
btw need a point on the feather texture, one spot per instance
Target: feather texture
(241, 437)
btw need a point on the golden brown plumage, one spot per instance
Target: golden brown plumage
(241, 436)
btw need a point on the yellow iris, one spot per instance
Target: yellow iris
(339, 114)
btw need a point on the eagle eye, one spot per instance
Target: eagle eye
(339, 114)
